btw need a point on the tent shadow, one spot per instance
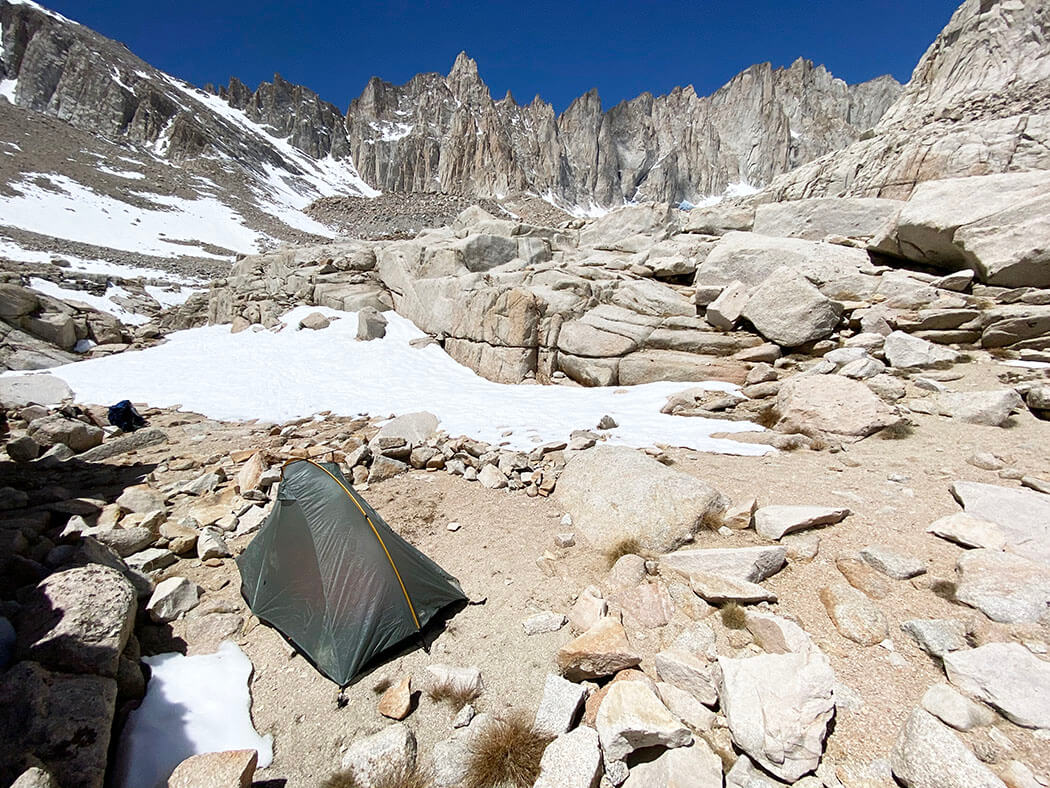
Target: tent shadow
(424, 639)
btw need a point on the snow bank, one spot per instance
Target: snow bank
(295, 373)
(12, 251)
(192, 705)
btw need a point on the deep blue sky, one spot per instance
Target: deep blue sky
(556, 49)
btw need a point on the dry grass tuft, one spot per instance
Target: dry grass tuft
(404, 777)
(895, 432)
(727, 756)
(712, 520)
(629, 545)
(506, 753)
(453, 693)
(945, 589)
(767, 418)
(382, 685)
(733, 616)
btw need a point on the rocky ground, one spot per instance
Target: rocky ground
(185, 496)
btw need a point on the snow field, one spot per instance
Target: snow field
(293, 373)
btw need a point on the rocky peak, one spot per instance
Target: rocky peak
(977, 103)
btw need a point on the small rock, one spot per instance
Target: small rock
(773, 522)
(607, 422)
(464, 716)
(862, 577)
(907, 352)
(229, 769)
(937, 637)
(589, 608)
(717, 589)
(600, 651)
(492, 477)
(683, 668)
(544, 622)
(210, 544)
(565, 540)
(371, 324)
(453, 526)
(969, 531)
(171, 598)
(739, 516)
(396, 702)
(986, 461)
(315, 321)
(954, 709)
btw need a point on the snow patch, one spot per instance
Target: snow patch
(591, 211)
(166, 297)
(241, 384)
(741, 189)
(173, 228)
(193, 705)
(390, 131)
(15, 253)
(131, 175)
(7, 90)
(103, 303)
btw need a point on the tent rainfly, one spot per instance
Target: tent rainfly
(334, 578)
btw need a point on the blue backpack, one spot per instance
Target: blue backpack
(124, 415)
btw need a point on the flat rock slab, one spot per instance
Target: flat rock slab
(1007, 676)
(1023, 515)
(600, 651)
(928, 755)
(78, 621)
(990, 408)
(717, 589)
(750, 564)
(895, 565)
(687, 670)
(773, 522)
(228, 769)
(832, 404)
(969, 531)
(778, 707)
(140, 439)
(614, 493)
(955, 709)
(937, 636)
(854, 615)
(632, 717)
(1003, 586)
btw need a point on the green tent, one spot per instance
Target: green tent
(334, 578)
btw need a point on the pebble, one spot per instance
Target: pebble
(454, 526)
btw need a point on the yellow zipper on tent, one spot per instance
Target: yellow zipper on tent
(368, 520)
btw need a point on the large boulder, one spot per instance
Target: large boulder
(818, 217)
(832, 404)
(778, 707)
(46, 390)
(60, 719)
(997, 225)
(615, 493)
(78, 621)
(991, 408)
(414, 428)
(790, 311)
(838, 271)
(54, 428)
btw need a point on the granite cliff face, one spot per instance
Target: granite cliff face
(978, 103)
(444, 133)
(448, 134)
